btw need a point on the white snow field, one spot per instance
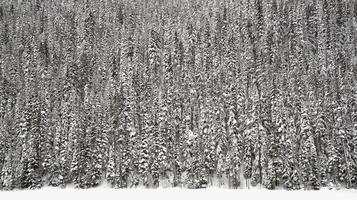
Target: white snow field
(103, 193)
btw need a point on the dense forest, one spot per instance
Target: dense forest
(141, 92)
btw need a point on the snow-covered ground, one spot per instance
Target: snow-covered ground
(104, 193)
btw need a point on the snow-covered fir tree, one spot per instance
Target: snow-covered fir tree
(178, 93)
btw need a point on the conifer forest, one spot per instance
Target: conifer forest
(187, 93)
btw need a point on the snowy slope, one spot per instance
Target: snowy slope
(182, 194)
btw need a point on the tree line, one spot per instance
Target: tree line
(141, 92)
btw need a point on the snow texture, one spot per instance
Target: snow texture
(228, 94)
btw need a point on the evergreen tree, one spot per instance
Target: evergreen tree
(249, 93)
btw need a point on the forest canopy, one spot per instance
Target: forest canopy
(142, 92)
